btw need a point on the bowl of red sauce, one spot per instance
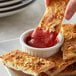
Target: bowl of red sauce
(39, 44)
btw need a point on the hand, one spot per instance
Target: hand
(71, 9)
(47, 2)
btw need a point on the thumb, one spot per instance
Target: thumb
(70, 10)
(47, 2)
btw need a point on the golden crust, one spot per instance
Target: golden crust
(53, 16)
(69, 31)
(60, 64)
(69, 49)
(19, 60)
(69, 46)
(70, 70)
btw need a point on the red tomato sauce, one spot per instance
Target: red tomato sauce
(42, 38)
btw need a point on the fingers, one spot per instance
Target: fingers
(70, 10)
(47, 2)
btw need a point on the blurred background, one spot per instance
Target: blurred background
(20, 16)
(13, 26)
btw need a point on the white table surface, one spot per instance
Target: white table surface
(12, 27)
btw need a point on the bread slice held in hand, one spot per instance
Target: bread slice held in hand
(21, 61)
(53, 15)
(50, 25)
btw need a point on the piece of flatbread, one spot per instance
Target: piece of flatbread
(60, 64)
(69, 46)
(70, 70)
(69, 49)
(21, 61)
(53, 15)
(69, 31)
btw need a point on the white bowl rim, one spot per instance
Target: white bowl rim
(48, 48)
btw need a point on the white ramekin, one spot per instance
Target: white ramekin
(40, 52)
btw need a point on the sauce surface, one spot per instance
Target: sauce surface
(42, 38)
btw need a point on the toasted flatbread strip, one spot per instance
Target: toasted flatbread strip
(69, 46)
(70, 70)
(53, 15)
(69, 31)
(21, 61)
(69, 49)
(60, 64)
